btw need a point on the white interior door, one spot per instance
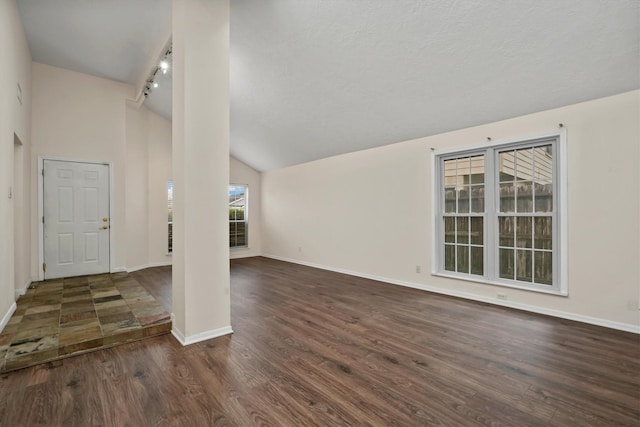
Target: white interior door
(76, 218)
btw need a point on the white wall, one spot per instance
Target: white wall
(240, 173)
(137, 186)
(369, 212)
(22, 153)
(148, 171)
(200, 146)
(15, 122)
(159, 160)
(149, 149)
(81, 117)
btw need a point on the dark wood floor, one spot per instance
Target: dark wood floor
(157, 281)
(313, 347)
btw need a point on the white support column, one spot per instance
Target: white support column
(201, 303)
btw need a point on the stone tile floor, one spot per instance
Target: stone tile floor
(64, 317)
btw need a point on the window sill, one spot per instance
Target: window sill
(485, 281)
(239, 248)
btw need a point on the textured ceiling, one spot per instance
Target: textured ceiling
(114, 39)
(316, 78)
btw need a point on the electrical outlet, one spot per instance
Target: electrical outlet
(502, 296)
(418, 269)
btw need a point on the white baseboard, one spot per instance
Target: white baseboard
(202, 336)
(7, 316)
(118, 270)
(23, 290)
(149, 265)
(526, 307)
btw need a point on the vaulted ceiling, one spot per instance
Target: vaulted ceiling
(316, 78)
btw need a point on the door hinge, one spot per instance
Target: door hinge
(44, 267)
(42, 171)
(43, 219)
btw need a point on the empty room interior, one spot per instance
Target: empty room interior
(308, 212)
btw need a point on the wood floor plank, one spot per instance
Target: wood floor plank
(316, 348)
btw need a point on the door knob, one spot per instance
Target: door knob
(104, 227)
(105, 219)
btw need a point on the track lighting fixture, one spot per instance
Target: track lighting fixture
(163, 65)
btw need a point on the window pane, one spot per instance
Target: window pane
(507, 166)
(523, 266)
(237, 234)
(477, 198)
(237, 195)
(543, 233)
(237, 215)
(170, 216)
(462, 264)
(524, 191)
(477, 261)
(450, 200)
(543, 164)
(450, 257)
(449, 229)
(232, 234)
(524, 165)
(463, 229)
(477, 170)
(477, 231)
(507, 198)
(170, 201)
(544, 197)
(463, 199)
(518, 209)
(507, 230)
(464, 171)
(543, 267)
(524, 232)
(450, 172)
(506, 264)
(236, 189)
(241, 239)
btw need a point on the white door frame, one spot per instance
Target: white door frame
(41, 160)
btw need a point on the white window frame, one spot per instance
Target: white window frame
(490, 150)
(246, 216)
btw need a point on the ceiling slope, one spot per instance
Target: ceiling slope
(317, 78)
(113, 39)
